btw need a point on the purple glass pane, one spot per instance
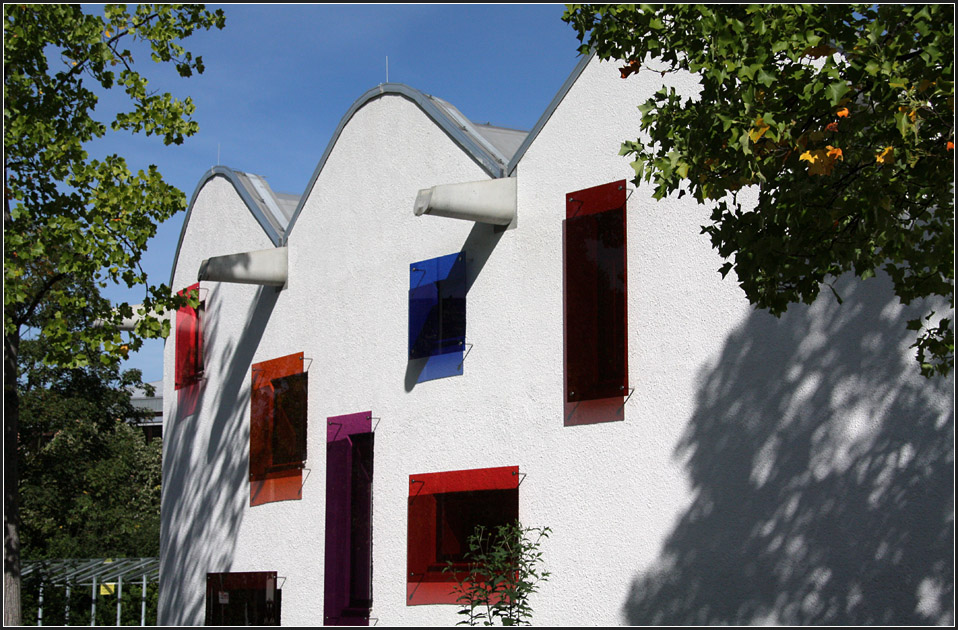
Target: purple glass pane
(348, 561)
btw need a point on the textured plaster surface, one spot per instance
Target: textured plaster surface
(792, 470)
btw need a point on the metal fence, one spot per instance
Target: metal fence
(104, 577)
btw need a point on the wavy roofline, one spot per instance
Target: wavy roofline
(460, 129)
(231, 176)
(456, 126)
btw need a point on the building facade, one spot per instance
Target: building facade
(460, 324)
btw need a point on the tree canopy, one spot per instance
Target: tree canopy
(842, 117)
(69, 218)
(90, 482)
(72, 223)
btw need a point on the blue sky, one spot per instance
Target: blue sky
(279, 78)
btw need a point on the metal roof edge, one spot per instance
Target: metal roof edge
(459, 134)
(224, 171)
(547, 114)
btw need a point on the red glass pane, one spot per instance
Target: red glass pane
(444, 509)
(459, 513)
(189, 343)
(242, 599)
(595, 298)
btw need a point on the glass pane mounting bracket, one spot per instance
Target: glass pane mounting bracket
(466, 354)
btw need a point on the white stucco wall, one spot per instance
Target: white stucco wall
(206, 430)
(763, 467)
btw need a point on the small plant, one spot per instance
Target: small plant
(503, 570)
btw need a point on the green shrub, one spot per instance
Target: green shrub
(504, 569)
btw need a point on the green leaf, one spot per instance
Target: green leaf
(836, 92)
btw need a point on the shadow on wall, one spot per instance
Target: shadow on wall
(205, 493)
(823, 478)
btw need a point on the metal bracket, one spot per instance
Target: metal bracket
(579, 201)
(631, 391)
(465, 343)
(522, 477)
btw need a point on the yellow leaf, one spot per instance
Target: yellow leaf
(821, 161)
(912, 113)
(758, 130)
(887, 156)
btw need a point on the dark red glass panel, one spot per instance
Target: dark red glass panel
(596, 313)
(241, 599)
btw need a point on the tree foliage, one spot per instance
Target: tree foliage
(842, 117)
(69, 218)
(72, 223)
(90, 483)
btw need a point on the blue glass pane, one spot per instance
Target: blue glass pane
(437, 306)
(440, 366)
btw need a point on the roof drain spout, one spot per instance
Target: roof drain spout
(487, 201)
(266, 266)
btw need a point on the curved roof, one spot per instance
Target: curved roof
(491, 147)
(496, 150)
(270, 209)
(546, 115)
(487, 145)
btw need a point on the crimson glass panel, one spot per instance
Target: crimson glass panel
(189, 343)
(444, 510)
(596, 357)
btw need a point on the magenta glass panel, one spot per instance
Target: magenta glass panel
(348, 562)
(596, 313)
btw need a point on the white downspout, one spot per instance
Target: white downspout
(266, 266)
(487, 201)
